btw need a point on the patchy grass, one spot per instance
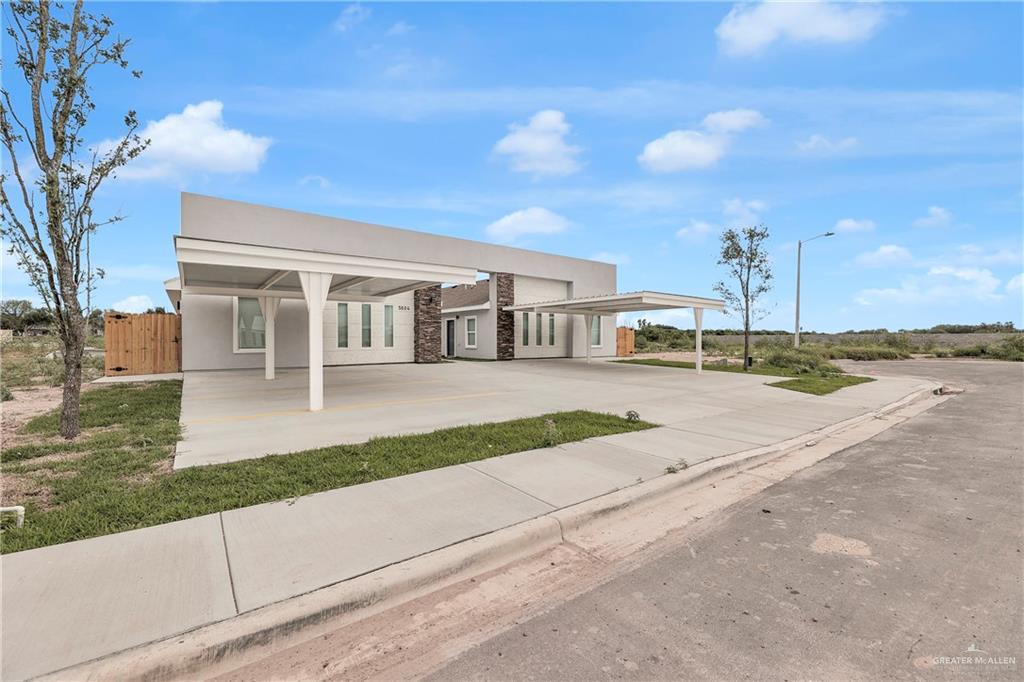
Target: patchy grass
(117, 475)
(714, 367)
(821, 385)
(26, 362)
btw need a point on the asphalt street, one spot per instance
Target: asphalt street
(899, 557)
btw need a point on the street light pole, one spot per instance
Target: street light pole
(799, 250)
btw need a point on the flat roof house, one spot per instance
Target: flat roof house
(268, 287)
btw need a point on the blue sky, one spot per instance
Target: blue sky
(628, 132)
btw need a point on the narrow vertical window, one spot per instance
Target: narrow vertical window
(249, 325)
(526, 329)
(470, 332)
(343, 325)
(366, 325)
(595, 330)
(389, 326)
(540, 330)
(551, 329)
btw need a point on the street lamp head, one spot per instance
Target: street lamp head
(830, 234)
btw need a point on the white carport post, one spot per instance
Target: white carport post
(315, 286)
(588, 322)
(698, 319)
(268, 305)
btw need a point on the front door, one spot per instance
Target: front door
(449, 343)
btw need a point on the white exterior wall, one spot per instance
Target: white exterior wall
(534, 289)
(207, 329)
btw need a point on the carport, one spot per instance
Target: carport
(270, 274)
(591, 307)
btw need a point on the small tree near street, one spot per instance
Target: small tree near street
(51, 174)
(745, 255)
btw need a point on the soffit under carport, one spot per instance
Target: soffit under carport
(613, 304)
(238, 269)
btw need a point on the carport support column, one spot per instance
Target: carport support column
(698, 320)
(315, 286)
(588, 322)
(269, 307)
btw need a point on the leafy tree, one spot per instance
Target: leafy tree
(12, 313)
(55, 51)
(745, 255)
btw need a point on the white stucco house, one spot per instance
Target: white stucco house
(266, 287)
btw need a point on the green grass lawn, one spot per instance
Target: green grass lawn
(821, 385)
(805, 382)
(117, 475)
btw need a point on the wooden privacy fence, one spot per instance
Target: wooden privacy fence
(625, 341)
(142, 344)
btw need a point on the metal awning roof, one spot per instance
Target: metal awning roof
(612, 304)
(236, 269)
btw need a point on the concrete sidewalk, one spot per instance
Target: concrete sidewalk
(75, 602)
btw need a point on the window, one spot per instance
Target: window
(389, 326)
(540, 330)
(249, 326)
(470, 332)
(551, 329)
(343, 325)
(595, 330)
(526, 329)
(366, 325)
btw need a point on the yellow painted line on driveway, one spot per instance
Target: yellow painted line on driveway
(343, 408)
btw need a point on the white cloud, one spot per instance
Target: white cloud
(539, 147)
(685, 149)
(318, 180)
(744, 212)
(972, 254)
(195, 140)
(1016, 284)
(942, 284)
(854, 225)
(885, 255)
(350, 17)
(681, 150)
(613, 258)
(133, 304)
(675, 317)
(938, 217)
(534, 220)
(733, 121)
(748, 29)
(400, 28)
(696, 231)
(819, 144)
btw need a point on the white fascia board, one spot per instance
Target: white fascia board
(233, 254)
(621, 303)
(207, 289)
(467, 308)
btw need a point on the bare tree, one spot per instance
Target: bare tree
(746, 257)
(48, 159)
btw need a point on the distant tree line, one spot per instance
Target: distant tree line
(665, 333)
(18, 314)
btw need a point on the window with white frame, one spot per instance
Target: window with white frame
(343, 325)
(389, 326)
(366, 335)
(470, 332)
(551, 329)
(250, 328)
(526, 329)
(595, 331)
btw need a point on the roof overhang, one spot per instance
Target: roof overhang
(612, 304)
(237, 269)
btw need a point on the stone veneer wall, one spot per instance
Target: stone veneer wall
(505, 320)
(427, 324)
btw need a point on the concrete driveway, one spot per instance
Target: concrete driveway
(237, 414)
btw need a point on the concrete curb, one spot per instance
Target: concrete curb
(277, 626)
